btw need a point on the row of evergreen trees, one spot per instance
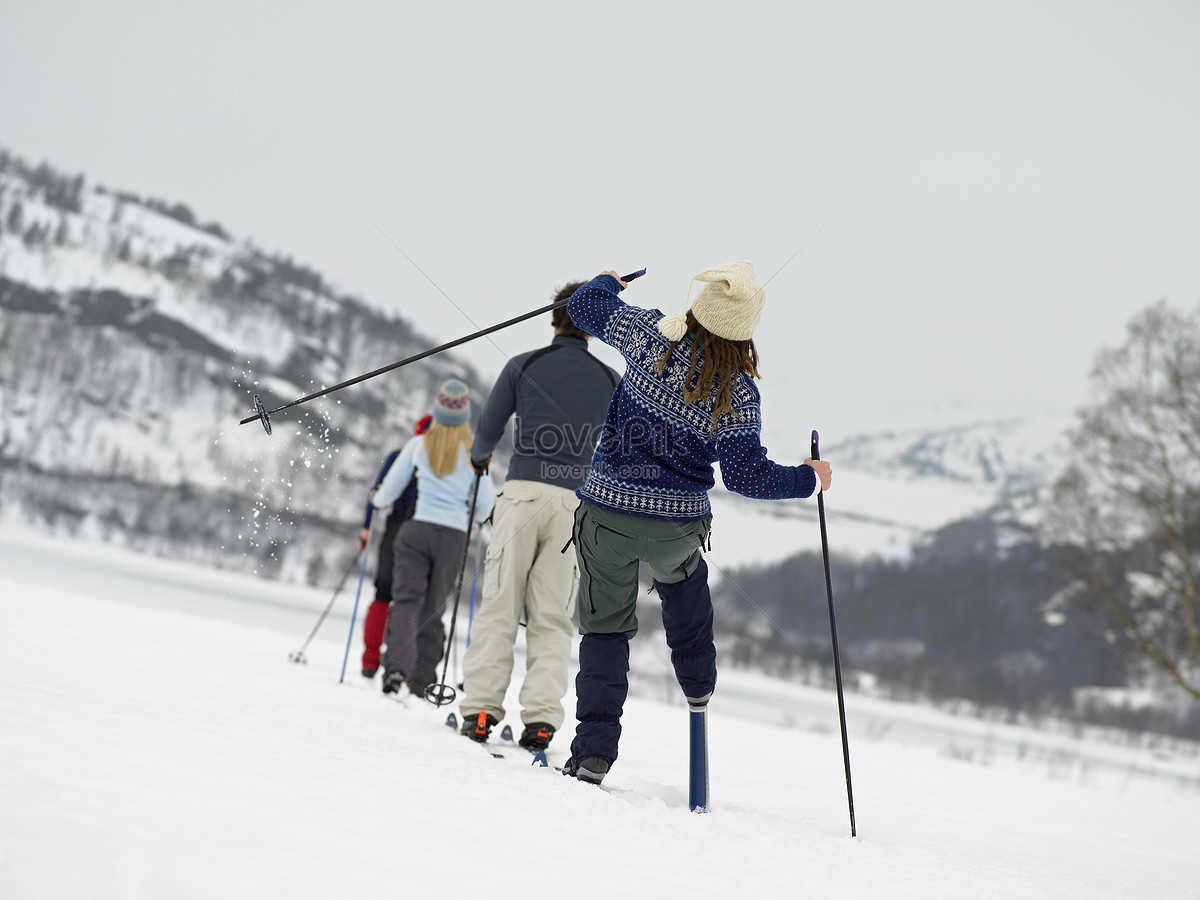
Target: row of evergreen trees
(34, 234)
(66, 192)
(973, 616)
(63, 192)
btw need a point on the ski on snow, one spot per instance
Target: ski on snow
(506, 736)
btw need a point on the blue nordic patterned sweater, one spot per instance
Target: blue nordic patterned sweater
(656, 453)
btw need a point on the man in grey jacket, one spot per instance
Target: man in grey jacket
(558, 395)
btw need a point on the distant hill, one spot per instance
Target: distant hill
(892, 489)
(132, 335)
(133, 332)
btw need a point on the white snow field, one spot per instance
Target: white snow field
(155, 742)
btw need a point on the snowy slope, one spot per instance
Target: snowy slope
(130, 343)
(157, 743)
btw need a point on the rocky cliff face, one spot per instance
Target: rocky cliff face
(131, 340)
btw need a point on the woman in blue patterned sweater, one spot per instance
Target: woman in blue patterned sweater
(687, 400)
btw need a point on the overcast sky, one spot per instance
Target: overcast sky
(1008, 182)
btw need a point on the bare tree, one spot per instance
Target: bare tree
(1128, 505)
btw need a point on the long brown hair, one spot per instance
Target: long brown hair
(441, 446)
(723, 359)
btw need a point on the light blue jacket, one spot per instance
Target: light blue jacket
(440, 501)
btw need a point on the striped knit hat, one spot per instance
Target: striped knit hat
(452, 406)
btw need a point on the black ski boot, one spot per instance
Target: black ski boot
(591, 769)
(479, 728)
(392, 682)
(536, 736)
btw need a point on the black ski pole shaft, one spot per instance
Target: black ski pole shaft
(837, 662)
(298, 656)
(442, 693)
(262, 414)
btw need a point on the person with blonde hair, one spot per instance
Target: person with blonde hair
(375, 621)
(429, 546)
(687, 400)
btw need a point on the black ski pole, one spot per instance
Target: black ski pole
(442, 693)
(470, 609)
(262, 414)
(298, 656)
(837, 662)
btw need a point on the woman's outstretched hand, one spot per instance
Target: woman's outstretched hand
(824, 471)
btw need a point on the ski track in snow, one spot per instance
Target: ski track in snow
(157, 743)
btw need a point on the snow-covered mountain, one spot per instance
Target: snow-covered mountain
(132, 336)
(131, 339)
(893, 487)
(1009, 458)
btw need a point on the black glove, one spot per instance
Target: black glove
(481, 468)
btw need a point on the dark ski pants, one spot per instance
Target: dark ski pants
(427, 558)
(375, 621)
(387, 556)
(610, 547)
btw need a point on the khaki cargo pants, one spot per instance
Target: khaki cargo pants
(526, 572)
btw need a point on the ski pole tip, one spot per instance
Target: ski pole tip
(440, 694)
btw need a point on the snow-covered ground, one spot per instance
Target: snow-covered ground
(155, 742)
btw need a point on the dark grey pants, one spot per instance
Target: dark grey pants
(425, 570)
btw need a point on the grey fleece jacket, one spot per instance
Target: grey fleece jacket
(559, 395)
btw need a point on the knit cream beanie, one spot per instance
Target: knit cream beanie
(729, 305)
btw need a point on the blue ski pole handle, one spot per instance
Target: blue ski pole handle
(816, 451)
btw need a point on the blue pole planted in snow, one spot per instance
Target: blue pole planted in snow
(698, 746)
(354, 615)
